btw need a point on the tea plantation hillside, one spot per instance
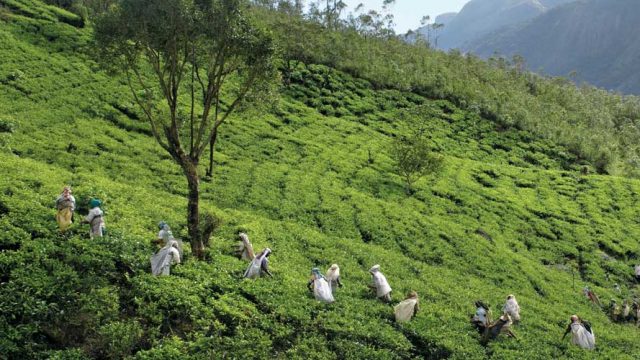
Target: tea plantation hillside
(313, 180)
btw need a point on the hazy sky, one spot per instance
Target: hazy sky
(407, 13)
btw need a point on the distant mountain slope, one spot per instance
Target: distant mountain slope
(595, 38)
(480, 17)
(445, 18)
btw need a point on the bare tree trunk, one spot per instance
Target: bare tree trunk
(212, 146)
(409, 185)
(193, 210)
(287, 73)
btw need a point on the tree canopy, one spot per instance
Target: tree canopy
(190, 64)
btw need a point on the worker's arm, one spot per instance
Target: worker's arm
(265, 267)
(89, 218)
(237, 250)
(175, 256)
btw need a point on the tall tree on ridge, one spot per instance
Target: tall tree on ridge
(181, 58)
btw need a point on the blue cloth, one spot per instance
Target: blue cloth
(95, 203)
(316, 273)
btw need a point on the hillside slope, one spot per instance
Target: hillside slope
(313, 180)
(568, 39)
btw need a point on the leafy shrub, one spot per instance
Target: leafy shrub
(7, 126)
(117, 340)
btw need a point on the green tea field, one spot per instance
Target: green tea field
(310, 176)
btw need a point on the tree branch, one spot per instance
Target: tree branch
(145, 109)
(213, 92)
(230, 109)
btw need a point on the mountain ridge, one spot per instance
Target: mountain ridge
(480, 17)
(600, 52)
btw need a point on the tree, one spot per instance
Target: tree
(327, 12)
(190, 64)
(294, 35)
(414, 160)
(291, 7)
(373, 24)
(436, 27)
(425, 21)
(412, 153)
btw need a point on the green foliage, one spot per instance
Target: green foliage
(187, 50)
(511, 212)
(593, 124)
(7, 127)
(43, 11)
(412, 153)
(116, 340)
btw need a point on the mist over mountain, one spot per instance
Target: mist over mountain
(481, 17)
(445, 18)
(589, 39)
(593, 38)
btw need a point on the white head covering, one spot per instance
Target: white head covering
(264, 253)
(374, 268)
(333, 272)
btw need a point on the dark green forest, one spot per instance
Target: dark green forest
(537, 195)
